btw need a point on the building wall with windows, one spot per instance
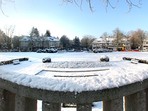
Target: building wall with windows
(103, 43)
(108, 43)
(145, 45)
(28, 43)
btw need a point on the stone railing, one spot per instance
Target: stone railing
(132, 97)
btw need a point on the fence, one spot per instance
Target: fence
(14, 97)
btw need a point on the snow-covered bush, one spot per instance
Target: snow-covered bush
(104, 58)
(46, 60)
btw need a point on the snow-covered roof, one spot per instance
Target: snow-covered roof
(99, 40)
(77, 72)
(28, 38)
(103, 40)
(25, 38)
(51, 38)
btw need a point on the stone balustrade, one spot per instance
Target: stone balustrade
(132, 97)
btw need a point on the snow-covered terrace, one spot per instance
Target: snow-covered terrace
(77, 77)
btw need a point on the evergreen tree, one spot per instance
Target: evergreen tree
(76, 42)
(5, 41)
(47, 34)
(64, 42)
(34, 32)
(16, 42)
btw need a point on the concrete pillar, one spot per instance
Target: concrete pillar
(146, 99)
(136, 102)
(84, 107)
(46, 106)
(25, 104)
(113, 105)
(2, 102)
(30, 104)
(19, 103)
(9, 101)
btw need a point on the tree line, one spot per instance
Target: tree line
(135, 38)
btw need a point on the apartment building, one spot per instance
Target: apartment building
(28, 43)
(145, 45)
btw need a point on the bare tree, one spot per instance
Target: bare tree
(9, 31)
(118, 34)
(105, 36)
(137, 38)
(87, 40)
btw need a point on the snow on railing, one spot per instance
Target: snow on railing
(20, 97)
(14, 97)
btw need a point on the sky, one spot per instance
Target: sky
(63, 18)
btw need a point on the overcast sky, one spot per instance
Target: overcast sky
(69, 19)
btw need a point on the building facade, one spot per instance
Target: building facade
(28, 43)
(103, 43)
(145, 45)
(110, 43)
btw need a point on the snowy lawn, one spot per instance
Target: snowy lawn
(97, 107)
(34, 73)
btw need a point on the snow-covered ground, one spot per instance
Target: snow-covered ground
(34, 73)
(97, 107)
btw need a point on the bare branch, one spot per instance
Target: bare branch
(79, 3)
(131, 4)
(3, 2)
(9, 30)
(1, 7)
(108, 3)
(76, 3)
(90, 5)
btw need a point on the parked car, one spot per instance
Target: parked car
(47, 50)
(39, 51)
(100, 50)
